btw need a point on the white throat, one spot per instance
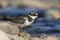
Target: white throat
(33, 17)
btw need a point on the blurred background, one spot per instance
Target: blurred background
(48, 21)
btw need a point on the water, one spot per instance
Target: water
(40, 26)
(45, 27)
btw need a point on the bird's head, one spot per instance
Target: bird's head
(33, 15)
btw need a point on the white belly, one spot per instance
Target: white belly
(27, 23)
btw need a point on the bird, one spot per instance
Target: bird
(24, 21)
(14, 25)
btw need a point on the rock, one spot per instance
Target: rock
(25, 36)
(8, 27)
(42, 36)
(35, 38)
(21, 36)
(3, 36)
(52, 14)
(51, 38)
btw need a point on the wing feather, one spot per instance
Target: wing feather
(19, 19)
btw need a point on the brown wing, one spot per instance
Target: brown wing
(20, 20)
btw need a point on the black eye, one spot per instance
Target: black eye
(34, 14)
